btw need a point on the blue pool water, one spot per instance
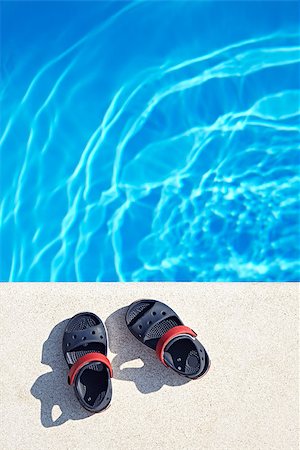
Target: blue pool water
(150, 141)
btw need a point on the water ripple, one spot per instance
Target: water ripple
(154, 160)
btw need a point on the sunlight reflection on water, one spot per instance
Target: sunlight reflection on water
(147, 148)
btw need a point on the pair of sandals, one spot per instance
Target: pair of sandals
(153, 323)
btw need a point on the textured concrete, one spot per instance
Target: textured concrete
(248, 399)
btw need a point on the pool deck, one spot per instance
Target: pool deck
(248, 400)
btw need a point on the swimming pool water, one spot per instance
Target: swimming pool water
(150, 141)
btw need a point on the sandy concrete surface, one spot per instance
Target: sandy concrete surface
(248, 400)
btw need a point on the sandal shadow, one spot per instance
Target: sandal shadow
(52, 389)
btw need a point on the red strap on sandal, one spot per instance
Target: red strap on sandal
(168, 336)
(86, 359)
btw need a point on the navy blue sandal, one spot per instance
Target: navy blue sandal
(84, 346)
(156, 325)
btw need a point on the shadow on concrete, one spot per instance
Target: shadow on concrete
(152, 375)
(52, 388)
